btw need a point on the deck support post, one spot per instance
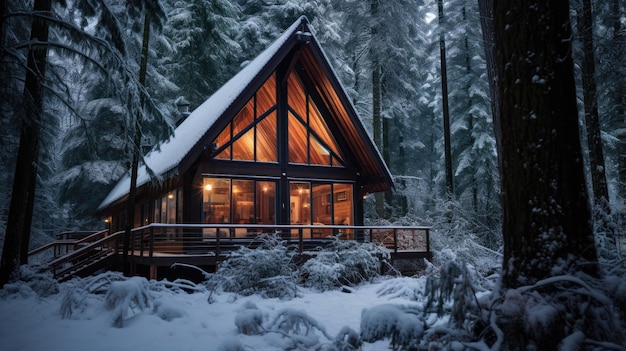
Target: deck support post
(153, 271)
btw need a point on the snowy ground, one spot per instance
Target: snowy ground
(30, 322)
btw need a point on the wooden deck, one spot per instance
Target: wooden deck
(154, 248)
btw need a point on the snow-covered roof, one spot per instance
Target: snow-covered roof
(174, 155)
(174, 150)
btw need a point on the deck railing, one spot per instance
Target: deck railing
(217, 240)
(197, 238)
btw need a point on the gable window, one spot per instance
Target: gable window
(310, 139)
(251, 135)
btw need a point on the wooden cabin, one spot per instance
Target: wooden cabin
(279, 144)
(279, 149)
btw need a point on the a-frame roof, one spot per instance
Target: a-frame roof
(186, 144)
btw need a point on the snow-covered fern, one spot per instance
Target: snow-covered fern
(126, 299)
(268, 270)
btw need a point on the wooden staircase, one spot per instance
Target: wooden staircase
(81, 257)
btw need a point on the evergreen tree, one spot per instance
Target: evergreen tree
(74, 42)
(48, 31)
(98, 143)
(383, 66)
(473, 142)
(205, 50)
(610, 51)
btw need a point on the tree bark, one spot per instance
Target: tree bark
(546, 216)
(17, 238)
(619, 101)
(470, 103)
(376, 97)
(444, 99)
(485, 8)
(546, 223)
(130, 206)
(590, 98)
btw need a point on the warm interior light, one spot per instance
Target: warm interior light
(170, 196)
(208, 187)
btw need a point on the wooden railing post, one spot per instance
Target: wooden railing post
(217, 244)
(151, 243)
(395, 240)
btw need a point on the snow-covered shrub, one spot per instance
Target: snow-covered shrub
(403, 326)
(347, 340)
(73, 303)
(344, 262)
(32, 279)
(126, 299)
(406, 287)
(323, 271)
(80, 294)
(296, 330)
(452, 292)
(301, 329)
(463, 234)
(249, 320)
(560, 312)
(616, 287)
(268, 270)
(17, 289)
(605, 228)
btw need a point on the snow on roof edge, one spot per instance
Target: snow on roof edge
(185, 137)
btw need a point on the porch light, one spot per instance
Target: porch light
(208, 187)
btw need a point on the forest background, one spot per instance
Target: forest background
(415, 70)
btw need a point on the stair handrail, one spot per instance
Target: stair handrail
(92, 237)
(85, 250)
(67, 243)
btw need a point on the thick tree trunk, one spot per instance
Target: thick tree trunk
(130, 206)
(446, 110)
(15, 249)
(547, 220)
(546, 224)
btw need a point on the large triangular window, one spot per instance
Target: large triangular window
(310, 139)
(251, 135)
